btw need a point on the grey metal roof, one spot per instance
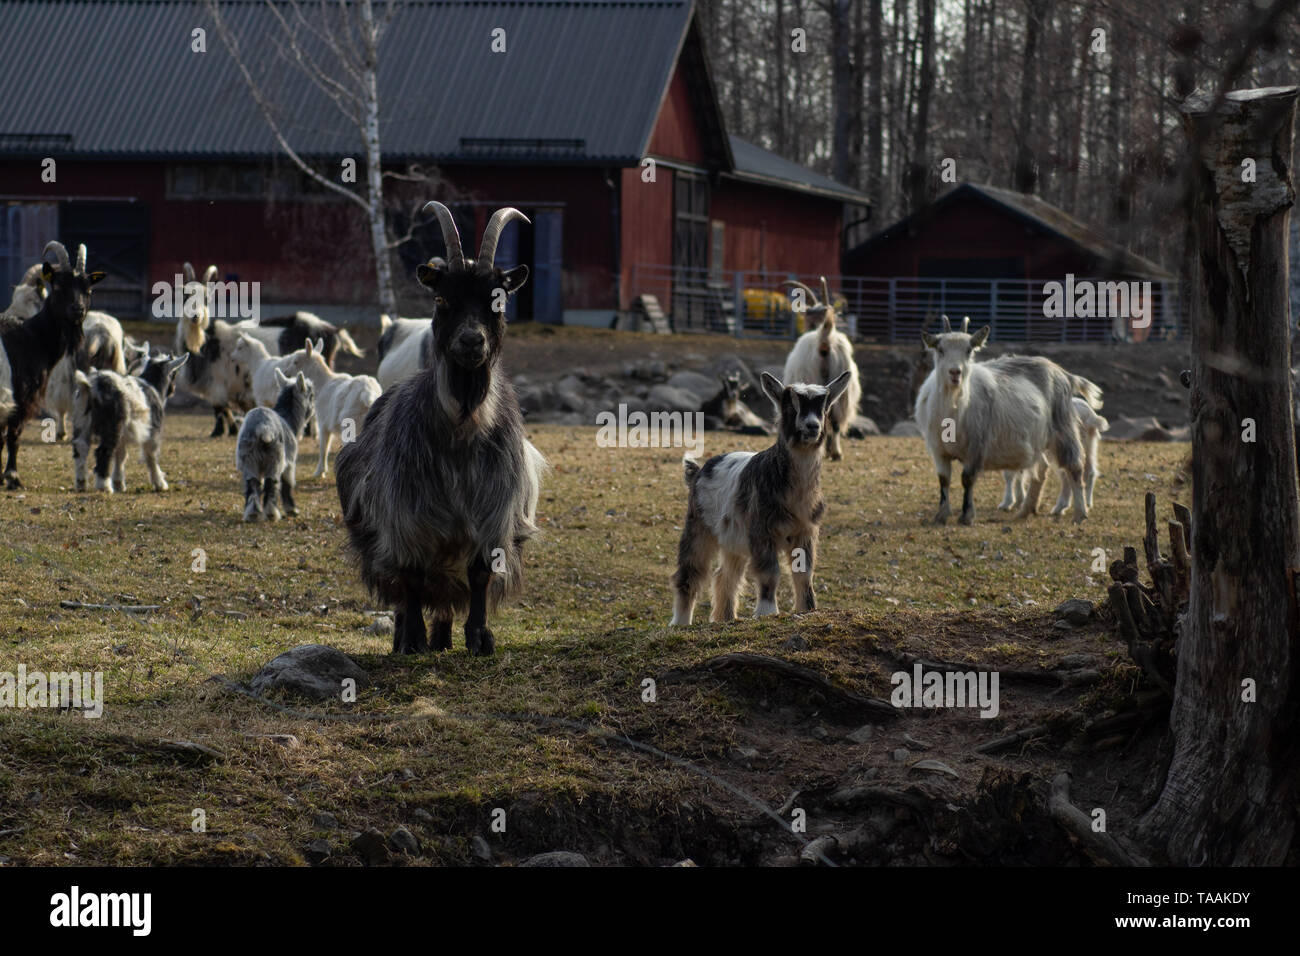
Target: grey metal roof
(759, 165)
(581, 81)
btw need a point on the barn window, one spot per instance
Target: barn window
(691, 228)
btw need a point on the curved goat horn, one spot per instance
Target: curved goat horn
(450, 234)
(209, 274)
(947, 326)
(189, 272)
(81, 258)
(816, 303)
(60, 253)
(965, 322)
(826, 292)
(487, 252)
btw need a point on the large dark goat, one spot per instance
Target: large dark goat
(439, 491)
(31, 349)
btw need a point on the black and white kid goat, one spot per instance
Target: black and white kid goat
(119, 411)
(759, 507)
(439, 491)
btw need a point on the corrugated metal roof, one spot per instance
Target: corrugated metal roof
(759, 165)
(580, 81)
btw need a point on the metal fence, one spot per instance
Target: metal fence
(898, 309)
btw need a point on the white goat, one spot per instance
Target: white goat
(342, 400)
(103, 347)
(29, 296)
(210, 373)
(404, 348)
(822, 355)
(1091, 426)
(1004, 414)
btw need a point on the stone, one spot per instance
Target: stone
(1076, 611)
(556, 858)
(862, 426)
(325, 820)
(666, 398)
(705, 388)
(309, 670)
(371, 846)
(863, 734)
(403, 841)
(479, 847)
(905, 429)
(317, 851)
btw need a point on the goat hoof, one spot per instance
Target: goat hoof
(440, 639)
(967, 518)
(939, 519)
(12, 483)
(479, 641)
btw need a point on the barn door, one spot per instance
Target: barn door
(25, 228)
(690, 250)
(116, 235)
(548, 266)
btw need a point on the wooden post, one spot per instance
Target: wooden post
(1229, 795)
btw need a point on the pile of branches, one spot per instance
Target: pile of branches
(1148, 614)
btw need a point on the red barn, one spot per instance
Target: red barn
(598, 119)
(990, 253)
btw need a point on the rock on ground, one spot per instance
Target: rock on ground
(311, 670)
(556, 858)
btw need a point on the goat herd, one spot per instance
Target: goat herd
(436, 478)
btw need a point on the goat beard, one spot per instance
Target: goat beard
(468, 387)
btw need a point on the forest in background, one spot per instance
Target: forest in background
(1024, 94)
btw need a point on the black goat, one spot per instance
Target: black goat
(32, 349)
(439, 491)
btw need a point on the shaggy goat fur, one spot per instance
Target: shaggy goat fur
(821, 355)
(119, 411)
(758, 507)
(288, 333)
(1004, 415)
(439, 491)
(1091, 425)
(266, 451)
(211, 374)
(29, 351)
(342, 400)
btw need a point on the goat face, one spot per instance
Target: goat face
(469, 321)
(953, 354)
(69, 290)
(160, 371)
(802, 408)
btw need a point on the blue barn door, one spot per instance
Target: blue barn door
(548, 266)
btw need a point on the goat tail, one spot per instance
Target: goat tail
(347, 344)
(1086, 390)
(691, 470)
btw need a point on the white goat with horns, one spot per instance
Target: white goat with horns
(819, 357)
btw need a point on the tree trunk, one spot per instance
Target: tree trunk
(374, 161)
(1023, 173)
(875, 111)
(919, 168)
(1232, 784)
(841, 90)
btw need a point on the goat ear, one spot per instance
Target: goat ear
(979, 338)
(431, 273)
(174, 366)
(301, 381)
(773, 387)
(514, 280)
(836, 389)
(80, 378)
(320, 347)
(93, 277)
(931, 341)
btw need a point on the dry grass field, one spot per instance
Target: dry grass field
(545, 729)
